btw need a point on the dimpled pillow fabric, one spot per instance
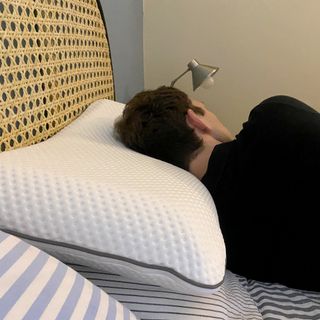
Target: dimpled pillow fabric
(85, 198)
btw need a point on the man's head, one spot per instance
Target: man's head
(154, 123)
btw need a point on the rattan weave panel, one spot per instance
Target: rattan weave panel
(54, 62)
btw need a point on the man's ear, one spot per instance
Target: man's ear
(195, 121)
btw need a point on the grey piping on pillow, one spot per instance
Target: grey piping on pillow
(113, 256)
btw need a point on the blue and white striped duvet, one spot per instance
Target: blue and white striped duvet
(34, 285)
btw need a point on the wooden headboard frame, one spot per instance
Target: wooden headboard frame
(55, 61)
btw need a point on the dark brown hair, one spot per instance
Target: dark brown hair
(154, 123)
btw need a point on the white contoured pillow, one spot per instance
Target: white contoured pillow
(85, 198)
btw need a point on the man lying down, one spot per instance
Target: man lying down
(264, 181)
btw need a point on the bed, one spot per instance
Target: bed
(89, 229)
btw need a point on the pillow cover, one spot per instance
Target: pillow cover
(84, 197)
(34, 285)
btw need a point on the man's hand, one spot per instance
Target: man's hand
(215, 128)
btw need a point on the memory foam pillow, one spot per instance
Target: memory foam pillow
(85, 198)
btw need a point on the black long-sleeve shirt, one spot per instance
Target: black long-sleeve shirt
(265, 185)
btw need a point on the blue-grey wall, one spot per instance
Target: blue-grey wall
(124, 20)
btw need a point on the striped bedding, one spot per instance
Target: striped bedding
(148, 302)
(238, 298)
(34, 285)
(279, 302)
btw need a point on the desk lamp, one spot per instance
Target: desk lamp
(202, 75)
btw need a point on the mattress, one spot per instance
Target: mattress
(237, 298)
(34, 285)
(231, 301)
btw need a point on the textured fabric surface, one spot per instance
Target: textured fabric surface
(34, 285)
(55, 61)
(278, 302)
(230, 302)
(86, 198)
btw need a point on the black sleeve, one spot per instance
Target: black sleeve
(284, 120)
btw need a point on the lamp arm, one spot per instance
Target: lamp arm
(181, 75)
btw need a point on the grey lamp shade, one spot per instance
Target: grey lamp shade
(200, 73)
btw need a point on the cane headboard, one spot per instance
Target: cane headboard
(54, 62)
